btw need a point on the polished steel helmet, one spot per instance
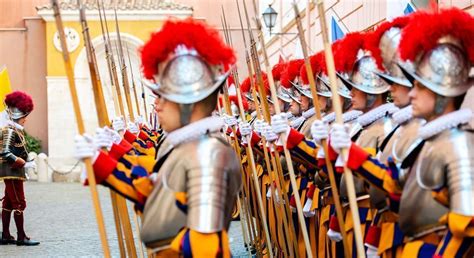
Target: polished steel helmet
(388, 45)
(321, 90)
(295, 95)
(234, 109)
(15, 114)
(342, 90)
(186, 78)
(364, 78)
(248, 96)
(283, 94)
(444, 69)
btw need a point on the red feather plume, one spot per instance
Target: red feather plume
(245, 85)
(373, 39)
(425, 29)
(20, 100)
(346, 51)
(277, 70)
(316, 62)
(230, 81)
(190, 33)
(235, 100)
(292, 70)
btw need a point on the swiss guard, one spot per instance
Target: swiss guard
(13, 162)
(196, 178)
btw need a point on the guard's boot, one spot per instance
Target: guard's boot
(6, 237)
(22, 238)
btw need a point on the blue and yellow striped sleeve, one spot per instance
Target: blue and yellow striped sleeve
(378, 174)
(459, 239)
(303, 150)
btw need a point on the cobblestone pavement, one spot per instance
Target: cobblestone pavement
(60, 216)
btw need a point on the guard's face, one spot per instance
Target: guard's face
(295, 108)
(271, 108)
(282, 105)
(168, 114)
(359, 99)
(422, 100)
(22, 121)
(305, 101)
(251, 106)
(323, 102)
(399, 95)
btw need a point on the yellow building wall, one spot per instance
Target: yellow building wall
(55, 64)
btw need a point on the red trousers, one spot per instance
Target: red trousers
(14, 195)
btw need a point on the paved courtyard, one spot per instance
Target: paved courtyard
(60, 215)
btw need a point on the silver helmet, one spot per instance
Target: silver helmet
(444, 69)
(234, 109)
(15, 114)
(284, 94)
(321, 90)
(248, 96)
(363, 77)
(295, 95)
(342, 90)
(186, 78)
(388, 45)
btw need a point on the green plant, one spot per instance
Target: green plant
(32, 143)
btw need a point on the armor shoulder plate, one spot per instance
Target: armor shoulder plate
(447, 160)
(212, 183)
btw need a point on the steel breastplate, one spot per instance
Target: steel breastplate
(418, 212)
(447, 160)
(371, 137)
(189, 170)
(399, 146)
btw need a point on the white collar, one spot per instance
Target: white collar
(253, 114)
(16, 125)
(289, 116)
(295, 123)
(308, 113)
(445, 122)
(376, 113)
(329, 118)
(195, 130)
(403, 115)
(346, 117)
(351, 115)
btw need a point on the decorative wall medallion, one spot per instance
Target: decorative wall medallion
(72, 39)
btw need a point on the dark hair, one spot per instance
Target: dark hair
(458, 101)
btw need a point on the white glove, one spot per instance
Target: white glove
(118, 124)
(230, 120)
(102, 138)
(84, 147)
(334, 235)
(340, 138)
(258, 126)
(319, 131)
(372, 251)
(139, 120)
(269, 135)
(133, 128)
(245, 129)
(307, 212)
(116, 138)
(30, 164)
(280, 124)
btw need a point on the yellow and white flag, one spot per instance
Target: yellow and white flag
(5, 88)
